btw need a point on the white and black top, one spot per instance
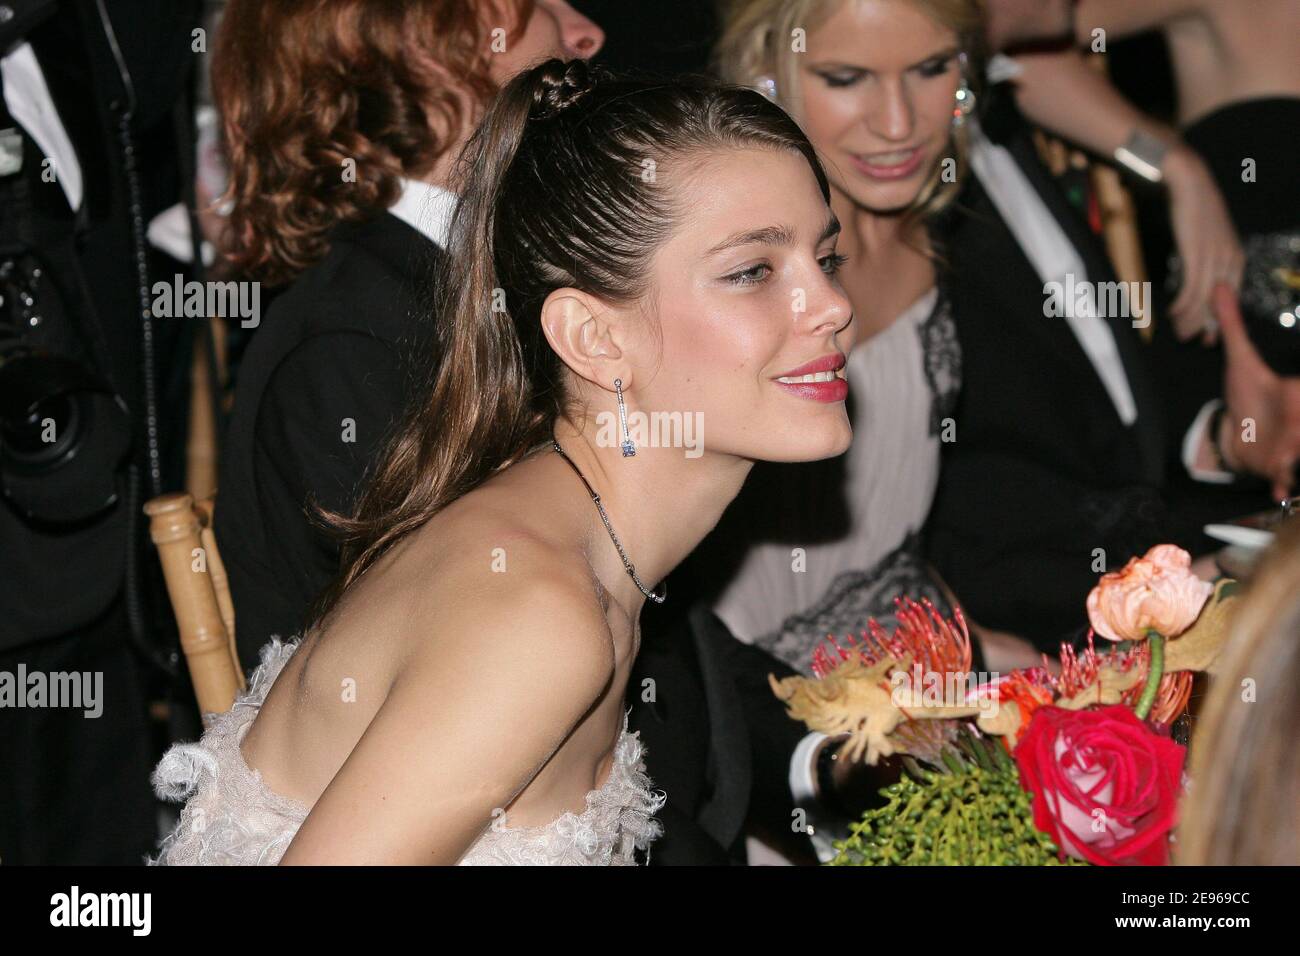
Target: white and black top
(832, 543)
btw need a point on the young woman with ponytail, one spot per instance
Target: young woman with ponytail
(620, 246)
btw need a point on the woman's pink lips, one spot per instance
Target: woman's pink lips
(831, 362)
(898, 171)
(833, 391)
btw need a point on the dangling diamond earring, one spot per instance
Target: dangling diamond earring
(629, 448)
(767, 86)
(964, 103)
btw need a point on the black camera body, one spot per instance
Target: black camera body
(64, 433)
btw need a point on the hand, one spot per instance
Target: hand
(1004, 652)
(1206, 239)
(1252, 390)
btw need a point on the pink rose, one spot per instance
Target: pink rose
(1158, 592)
(1105, 788)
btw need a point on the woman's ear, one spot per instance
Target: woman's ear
(585, 334)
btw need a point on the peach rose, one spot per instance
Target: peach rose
(1157, 591)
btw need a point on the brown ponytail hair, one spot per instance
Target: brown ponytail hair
(553, 195)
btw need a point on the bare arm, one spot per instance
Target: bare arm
(465, 728)
(1121, 18)
(1063, 93)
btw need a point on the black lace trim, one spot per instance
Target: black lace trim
(853, 598)
(941, 359)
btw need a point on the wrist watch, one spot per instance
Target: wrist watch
(1144, 155)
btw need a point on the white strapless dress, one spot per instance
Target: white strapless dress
(232, 818)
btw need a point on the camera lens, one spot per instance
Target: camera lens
(46, 434)
(63, 437)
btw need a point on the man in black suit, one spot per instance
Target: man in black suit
(1066, 455)
(319, 387)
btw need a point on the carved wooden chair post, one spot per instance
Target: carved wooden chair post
(200, 597)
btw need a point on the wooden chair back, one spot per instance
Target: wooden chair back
(200, 597)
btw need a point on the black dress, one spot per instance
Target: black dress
(1250, 148)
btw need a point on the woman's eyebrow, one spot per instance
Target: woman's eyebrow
(778, 235)
(944, 54)
(832, 228)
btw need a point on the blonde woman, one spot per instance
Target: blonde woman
(883, 88)
(1056, 450)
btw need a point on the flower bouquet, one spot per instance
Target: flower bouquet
(1029, 767)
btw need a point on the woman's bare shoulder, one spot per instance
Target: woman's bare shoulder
(495, 670)
(508, 583)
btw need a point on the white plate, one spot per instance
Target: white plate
(1253, 538)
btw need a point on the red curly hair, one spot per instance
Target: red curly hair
(303, 86)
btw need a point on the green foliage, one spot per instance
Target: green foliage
(969, 812)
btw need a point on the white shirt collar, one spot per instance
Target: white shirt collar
(426, 208)
(31, 105)
(1054, 257)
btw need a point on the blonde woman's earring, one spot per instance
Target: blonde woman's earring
(964, 101)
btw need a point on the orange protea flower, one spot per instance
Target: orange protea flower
(1028, 690)
(1078, 671)
(922, 636)
(1172, 695)
(924, 642)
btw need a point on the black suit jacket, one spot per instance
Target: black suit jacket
(327, 374)
(1043, 472)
